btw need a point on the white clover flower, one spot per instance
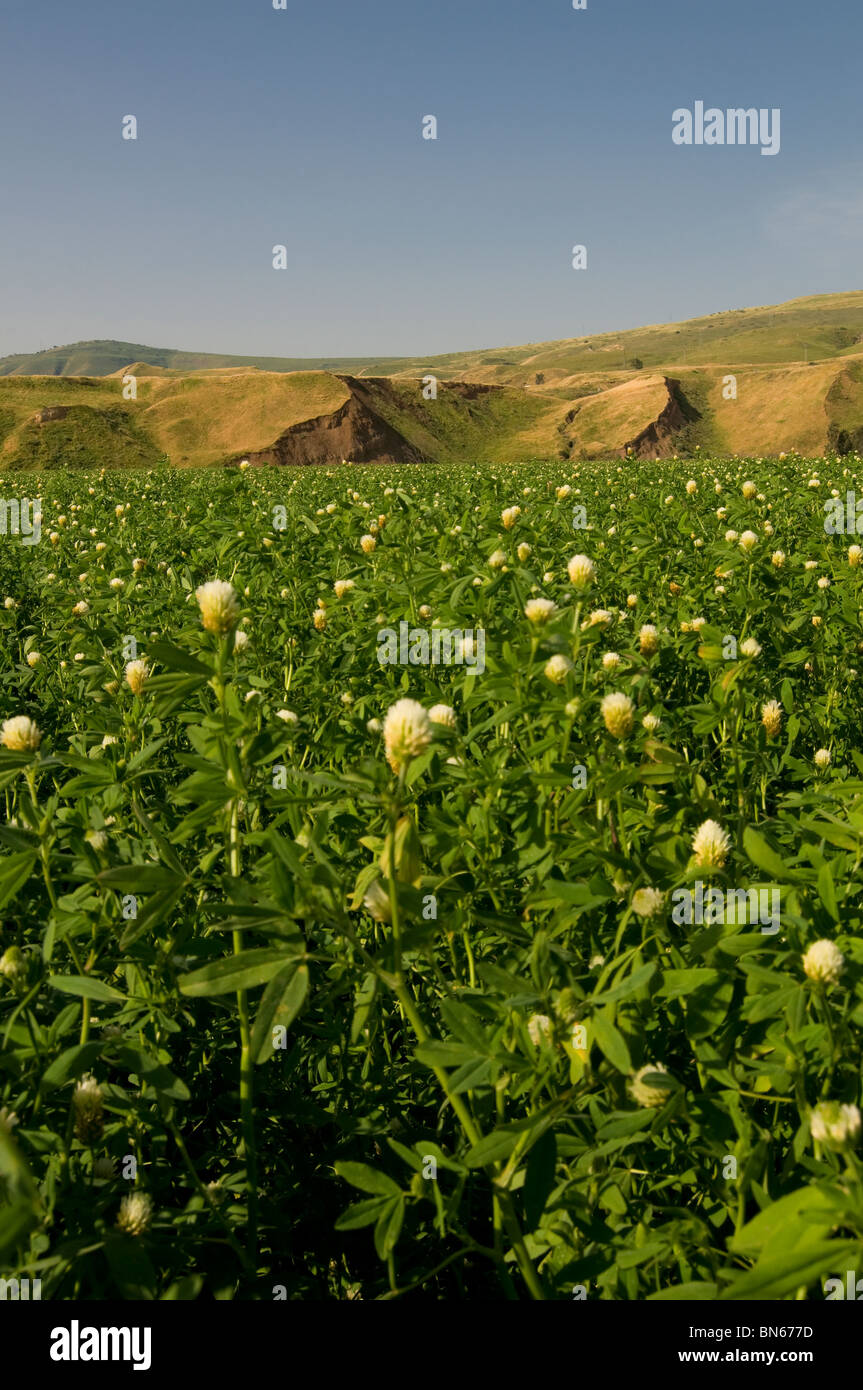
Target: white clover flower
(109, 740)
(600, 617)
(645, 1094)
(834, 1125)
(136, 1213)
(710, 845)
(855, 554)
(87, 1105)
(777, 559)
(33, 658)
(219, 605)
(648, 902)
(611, 661)
(581, 571)
(115, 583)
(497, 560)
(407, 733)
(824, 962)
(811, 565)
(425, 612)
(443, 715)
(241, 641)
(20, 734)
(651, 723)
(618, 712)
(510, 516)
(98, 839)
(563, 492)
(377, 902)
(771, 718)
(631, 600)
(523, 551)
(691, 487)
(342, 587)
(288, 716)
(367, 544)
(749, 490)
(136, 676)
(748, 541)
(81, 607)
(540, 1030)
(374, 726)
(557, 668)
(822, 758)
(540, 610)
(749, 647)
(648, 640)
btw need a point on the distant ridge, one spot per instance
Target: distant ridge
(814, 328)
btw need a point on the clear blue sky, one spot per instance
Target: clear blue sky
(303, 127)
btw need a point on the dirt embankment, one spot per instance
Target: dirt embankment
(657, 440)
(358, 430)
(355, 432)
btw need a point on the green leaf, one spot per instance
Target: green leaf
(247, 970)
(445, 1054)
(149, 1070)
(610, 1042)
(389, 1226)
(766, 858)
(773, 1278)
(693, 1292)
(368, 1179)
(87, 988)
(14, 873)
(280, 1003)
(72, 1063)
(540, 1178)
(630, 985)
(176, 660)
(139, 878)
(492, 1149)
(363, 1213)
(826, 891)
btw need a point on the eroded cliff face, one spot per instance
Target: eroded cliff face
(657, 440)
(365, 429)
(355, 432)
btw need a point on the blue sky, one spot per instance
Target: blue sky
(303, 127)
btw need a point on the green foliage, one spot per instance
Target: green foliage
(358, 1032)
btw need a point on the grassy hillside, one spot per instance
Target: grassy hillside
(573, 399)
(817, 327)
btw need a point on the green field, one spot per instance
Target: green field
(302, 997)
